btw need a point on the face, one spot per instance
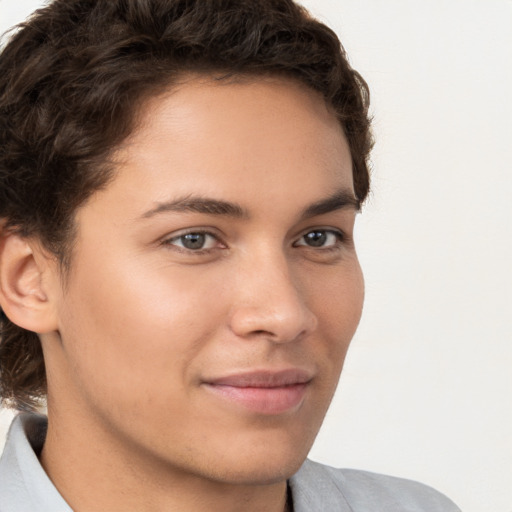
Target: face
(214, 285)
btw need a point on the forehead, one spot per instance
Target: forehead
(237, 120)
(244, 141)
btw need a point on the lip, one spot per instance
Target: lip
(263, 392)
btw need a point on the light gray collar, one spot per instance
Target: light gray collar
(24, 485)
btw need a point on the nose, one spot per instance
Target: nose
(270, 302)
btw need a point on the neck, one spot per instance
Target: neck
(88, 458)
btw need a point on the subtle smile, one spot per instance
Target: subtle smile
(263, 392)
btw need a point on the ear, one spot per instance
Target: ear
(24, 296)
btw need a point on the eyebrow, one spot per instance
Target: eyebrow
(339, 200)
(199, 205)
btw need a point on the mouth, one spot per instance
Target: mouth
(263, 392)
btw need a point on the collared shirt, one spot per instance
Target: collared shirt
(25, 487)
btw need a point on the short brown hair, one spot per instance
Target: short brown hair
(71, 78)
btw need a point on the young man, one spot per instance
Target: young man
(179, 181)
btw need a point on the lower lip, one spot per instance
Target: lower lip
(263, 400)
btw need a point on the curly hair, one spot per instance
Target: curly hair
(71, 78)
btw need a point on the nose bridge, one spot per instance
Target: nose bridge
(270, 298)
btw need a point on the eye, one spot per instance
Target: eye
(194, 241)
(323, 238)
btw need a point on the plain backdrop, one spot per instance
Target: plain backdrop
(426, 391)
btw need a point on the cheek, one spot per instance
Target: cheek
(338, 305)
(338, 299)
(134, 326)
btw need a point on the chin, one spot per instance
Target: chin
(267, 471)
(260, 463)
(267, 452)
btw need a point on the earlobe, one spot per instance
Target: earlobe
(23, 296)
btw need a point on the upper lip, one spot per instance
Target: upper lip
(264, 378)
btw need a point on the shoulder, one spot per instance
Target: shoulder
(320, 487)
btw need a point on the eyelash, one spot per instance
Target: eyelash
(338, 234)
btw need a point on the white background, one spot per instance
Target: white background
(427, 388)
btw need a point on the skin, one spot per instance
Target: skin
(143, 324)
